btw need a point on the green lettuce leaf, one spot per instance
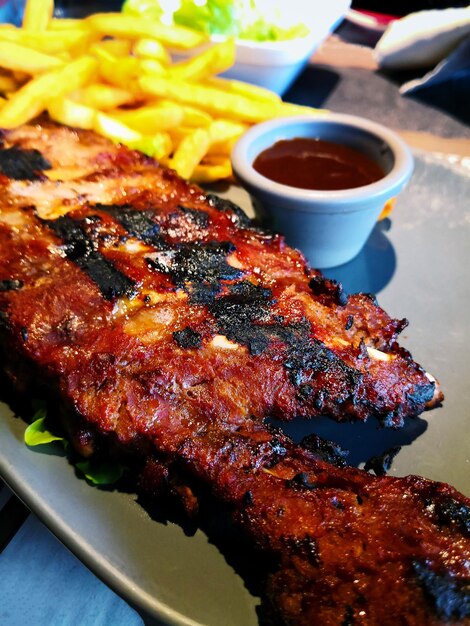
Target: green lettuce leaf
(245, 19)
(212, 17)
(96, 472)
(100, 472)
(37, 434)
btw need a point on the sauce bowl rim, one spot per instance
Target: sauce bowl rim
(274, 130)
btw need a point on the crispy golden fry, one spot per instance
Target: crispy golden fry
(16, 57)
(195, 117)
(37, 15)
(7, 83)
(178, 133)
(388, 208)
(221, 130)
(49, 42)
(115, 130)
(32, 98)
(116, 47)
(116, 71)
(190, 152)
(152, 118)
(67, 23)
(248, 90)
(218, 58)
(152, 66)
(151, 49)
(158, 145)
(224, 134)
(119, 25)
(70, 113)
(218, 102)
(20, 77)
(102, 97)
(204, 174)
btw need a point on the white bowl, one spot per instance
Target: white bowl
(330, 227)
(276, 64)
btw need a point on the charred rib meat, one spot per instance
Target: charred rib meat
(170, 327)
(180, 270)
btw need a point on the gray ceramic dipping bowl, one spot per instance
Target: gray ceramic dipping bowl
(329, 227)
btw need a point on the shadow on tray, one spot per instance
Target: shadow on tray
(374, 266)
(362, 440)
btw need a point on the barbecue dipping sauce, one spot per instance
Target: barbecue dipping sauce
(316, 164)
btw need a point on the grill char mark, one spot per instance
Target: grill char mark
(81, 249)
(187, 338)
(451, 511)
(21, 164)
(139, 224)
(239, 216)
(450, 597)
(10, 284)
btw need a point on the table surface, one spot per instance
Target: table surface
(34, 565)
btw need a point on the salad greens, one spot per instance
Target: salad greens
(100, 472)
(255, 20)
(96, 472)
(37, 434)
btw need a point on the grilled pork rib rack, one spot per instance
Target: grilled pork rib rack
(170, 327)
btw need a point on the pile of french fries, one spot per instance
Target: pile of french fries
(114, 73)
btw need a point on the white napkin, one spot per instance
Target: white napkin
(422, 39)
(437, 39)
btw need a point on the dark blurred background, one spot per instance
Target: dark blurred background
(403, 7)
(72, 8)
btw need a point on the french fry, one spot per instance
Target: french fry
(255, 92)
(152, 66)
(221, 130)
(178, 133)
(102, 97)
(37, 15)
(151, 49)
(119, 25)
(159, 145)
(16, 57)
(214, 100)
(190, 152)
(20, 77)
(205, 173)
(388, 208)
(116, 47)
(67, 23)
(224, 134)
(70, 113)
(195, 117)
(218, 58)
(49, 42)
(151, 118)
(32, 98)
(116, 71)
(115, 130)
(7, 83)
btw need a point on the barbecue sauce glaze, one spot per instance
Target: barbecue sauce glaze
(309, 163)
